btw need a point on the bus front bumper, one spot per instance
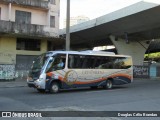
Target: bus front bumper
(35, 84)
(31, 84)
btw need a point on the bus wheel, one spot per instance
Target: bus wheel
(54, 87)
(109, 84)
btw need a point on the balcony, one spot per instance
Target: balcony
(28, 30)
(33, 3)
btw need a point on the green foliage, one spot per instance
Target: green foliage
(152, 55)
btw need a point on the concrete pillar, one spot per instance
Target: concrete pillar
(9, 11)
(136, 49)
(43, 46)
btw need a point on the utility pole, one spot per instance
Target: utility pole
(68, 26)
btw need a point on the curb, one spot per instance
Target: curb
(13, 86)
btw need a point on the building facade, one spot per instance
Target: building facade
(27, 29)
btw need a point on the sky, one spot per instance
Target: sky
(92, 8)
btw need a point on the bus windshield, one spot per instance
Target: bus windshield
(56, 62)
(39, 62)
(38, 66)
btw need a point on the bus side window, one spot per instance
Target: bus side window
(71, 61)
(76, 64)
(101, 63)
(90, 62)
(94, 62)
(98, 63)
(60, 61)
(85, 60)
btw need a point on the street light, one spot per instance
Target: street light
(68, 26)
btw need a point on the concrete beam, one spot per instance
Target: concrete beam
(136, 49)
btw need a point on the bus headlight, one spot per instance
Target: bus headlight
(39, 80)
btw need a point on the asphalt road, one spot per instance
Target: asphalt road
(141, 95)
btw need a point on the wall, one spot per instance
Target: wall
(38, 17)
(141, 71)
(7, 72)
(8, 55)
(22, 74)
(155, 70)
(7, 50)
(4, 12)
(54, 11)
(23, 65)
(43, 49)
(147, 71)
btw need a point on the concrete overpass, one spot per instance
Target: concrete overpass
(130, 29)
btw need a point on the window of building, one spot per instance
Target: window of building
(23, 17)
(52, 21)
(28, 44)
(53, 2)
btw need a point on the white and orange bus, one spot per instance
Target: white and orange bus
(56, 70)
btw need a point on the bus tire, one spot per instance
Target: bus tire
(109, 84)
(55, 87)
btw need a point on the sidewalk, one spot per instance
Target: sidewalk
(15, 83)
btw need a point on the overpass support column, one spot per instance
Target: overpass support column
(136, 49)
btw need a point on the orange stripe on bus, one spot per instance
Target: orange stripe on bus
(92, 81)
(102, 79)
(50, 74)
(60, 78)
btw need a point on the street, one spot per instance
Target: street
(141, 95)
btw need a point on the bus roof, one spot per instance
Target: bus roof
(87, 52)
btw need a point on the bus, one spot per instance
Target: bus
(57, 70)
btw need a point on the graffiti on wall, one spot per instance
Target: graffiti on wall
(21, 74)
(141, 71)
(7, 71)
